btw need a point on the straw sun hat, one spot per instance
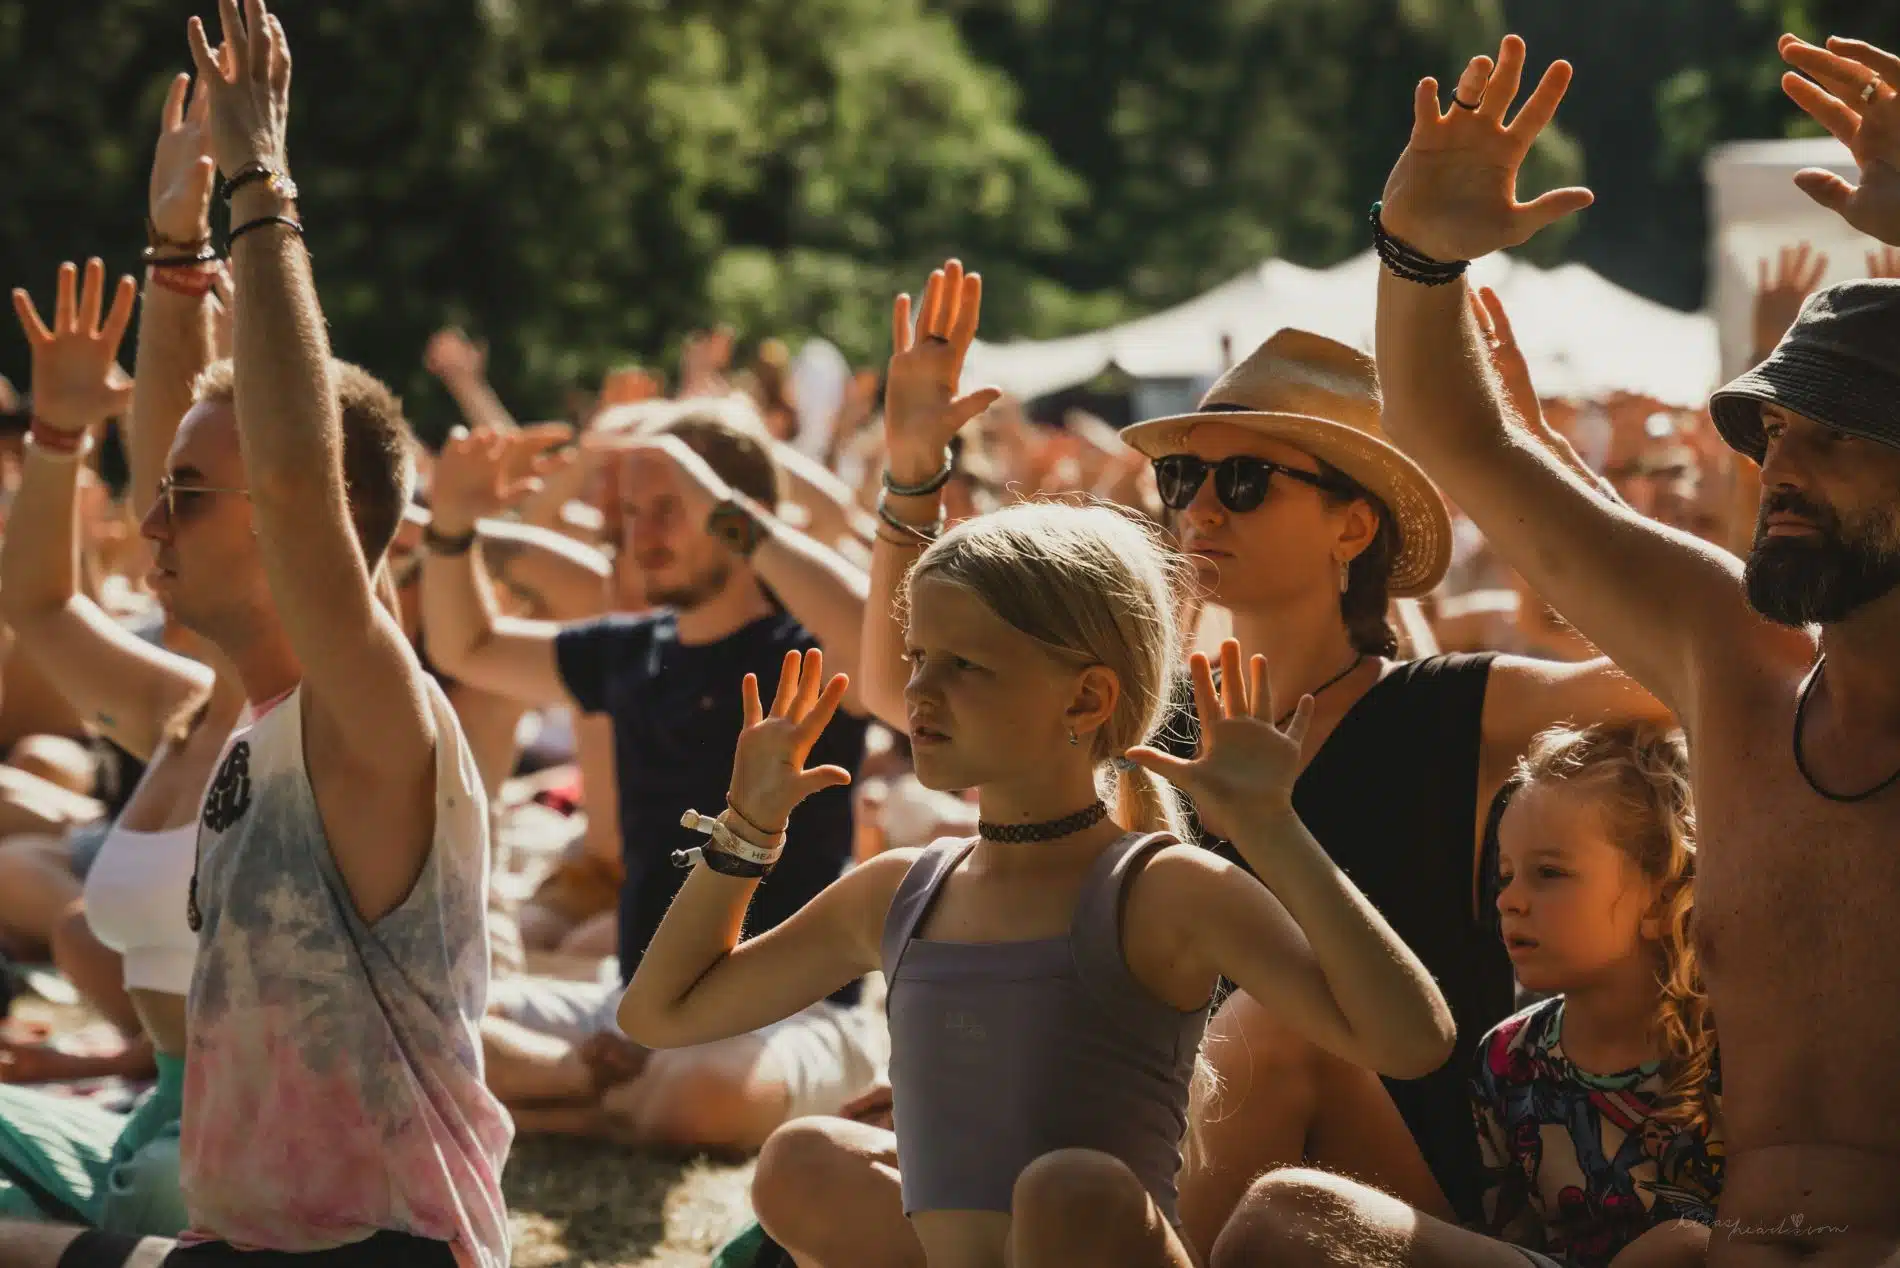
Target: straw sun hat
(1323, 398)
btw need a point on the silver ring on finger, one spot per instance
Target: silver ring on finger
(1870, 90)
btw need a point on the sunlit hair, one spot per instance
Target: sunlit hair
(1639, 776)
(1095, 586)
(728, 432)
(379, 468)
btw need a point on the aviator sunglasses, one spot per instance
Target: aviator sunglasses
(1240, 481)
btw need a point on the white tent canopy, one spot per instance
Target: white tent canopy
(1583, 336)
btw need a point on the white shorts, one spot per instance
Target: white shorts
(829, 1053)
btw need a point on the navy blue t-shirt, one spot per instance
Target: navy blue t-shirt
(677, 712)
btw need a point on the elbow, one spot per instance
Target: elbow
(640, 1021)
(1425, 1046)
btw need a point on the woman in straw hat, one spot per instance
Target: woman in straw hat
(1305, 523)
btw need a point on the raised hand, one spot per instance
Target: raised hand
(483, 472)
(77, 382)
(769, 778)
(182, 168)
(1778, 298)
(248, 83)
(451, 356)
(704, 359)
(1453, 193)
(922, 410)
(1853, 90)
(1247, 761)
(1884, 262)
(1514, 373)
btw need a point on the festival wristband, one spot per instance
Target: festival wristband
(55, 442)
(725, 851)
(180, 279)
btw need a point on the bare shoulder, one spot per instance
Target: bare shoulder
(1179, 878)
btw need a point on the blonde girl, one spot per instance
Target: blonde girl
(1049, 979)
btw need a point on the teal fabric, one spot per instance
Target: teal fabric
(118, 1171)
(742, 1250)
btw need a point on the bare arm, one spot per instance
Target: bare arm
(921, 414)
(129, 690)
(1302, 939)
(462, 368)
(566, 579)
(1443, 406)
(360, 675)
(835, 515)
(1523, 697)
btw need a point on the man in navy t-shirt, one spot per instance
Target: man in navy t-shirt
(733, 589)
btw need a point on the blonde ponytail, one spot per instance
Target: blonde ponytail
(1145, 802)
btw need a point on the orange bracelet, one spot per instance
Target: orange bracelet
(193, 282)
(60, 444)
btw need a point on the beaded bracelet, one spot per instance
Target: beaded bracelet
(929, 486)
(231, 238)
(1408, 263)
(923, 536)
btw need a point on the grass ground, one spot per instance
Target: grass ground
(578, 1204)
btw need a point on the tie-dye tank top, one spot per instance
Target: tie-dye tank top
(334, 1083)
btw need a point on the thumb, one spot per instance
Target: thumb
(1830, 190)
(1167, 765)
(820, 778)
(964, 408)
(1547, 209)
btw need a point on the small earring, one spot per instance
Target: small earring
(1345, 575)
(1072, 740)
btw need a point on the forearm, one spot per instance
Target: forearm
(175, 345)
(1387, 998)
(819, 587)
(458, 608)
(286, 406)
(568, 580)
(699, 931)
(542, 508)
(479, 405)
(883, 669)
(834, 514)
(39, 556)
(1434, 372)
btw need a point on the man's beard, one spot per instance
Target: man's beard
(1821, 580)
(696, 591)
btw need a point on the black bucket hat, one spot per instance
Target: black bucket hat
(1839, 365)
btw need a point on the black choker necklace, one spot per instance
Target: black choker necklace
(1023, 833)
(1801, 762)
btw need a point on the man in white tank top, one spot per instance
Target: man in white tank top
(334, 1092)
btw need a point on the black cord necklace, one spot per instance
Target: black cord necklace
(1334, 681)
(1801, 763)
(1023, 833)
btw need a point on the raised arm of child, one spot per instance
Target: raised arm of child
(697, 981)
(1302, 939)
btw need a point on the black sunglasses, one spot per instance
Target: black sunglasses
(1240, 481)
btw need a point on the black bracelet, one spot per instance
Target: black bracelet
(922, 536)
(1407, 262)
(231, 238)
(929, 486)
(448, 547)
(255, 171)
(720, 862)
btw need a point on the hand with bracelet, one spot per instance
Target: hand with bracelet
(77, 382)
(1452, 196)
(769, 778)
(247, 82)
(482, 473)
(922, 410)
(178, 225)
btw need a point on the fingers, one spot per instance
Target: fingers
(65, 319)
(1878, 60)
(1548, 209)
(200, 106)
(787, 684)
(813, 724)
(749, 695)
(257, 39)
(1816, 270)
(1302, 719)
(204, 177)
(1506, 78)
(540, 437)
(820, 778)
(1823, 107)
(969, 308)
(201, 55)
(30, 323)
(901, 332)
(172, 117)
(1499, 320)
(92, 297)
(1826, 188)
(1258, 689)
(120, 315)
(1843, 77)
(1425, 104)
(1233, 687)
(811, 675)
(1542, 106)
(236, 47)
(1166, 765)
(952, 298)
(964, 408)
(1471, 84)
(1206, 699)
(930, 309)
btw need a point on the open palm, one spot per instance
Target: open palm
(922, 410)
(77, 382)
(769, 778)
(1453, 192)
(1835, 93)
(1247, 762)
